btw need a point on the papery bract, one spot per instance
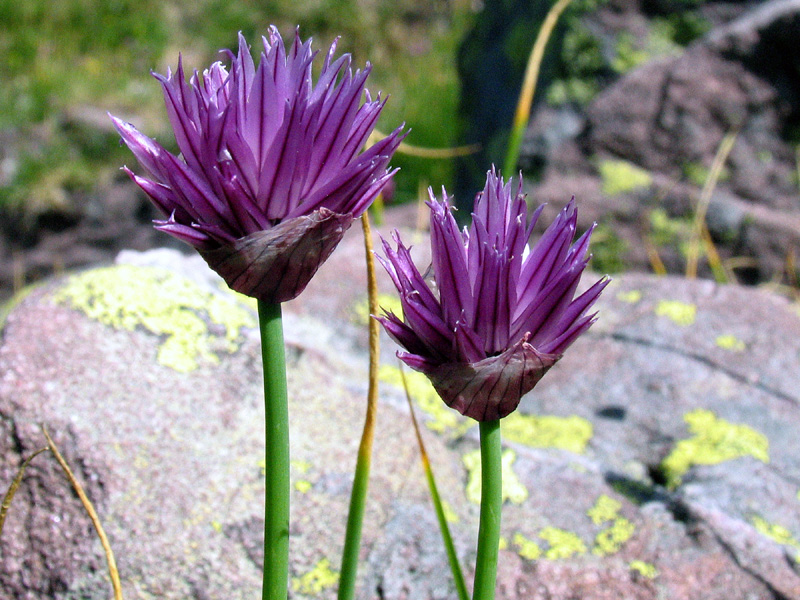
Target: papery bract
(270, 176)
(504, 313)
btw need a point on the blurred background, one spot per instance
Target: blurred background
(636, 100)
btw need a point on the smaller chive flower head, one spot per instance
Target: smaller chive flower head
(505, 313)
(270, 176)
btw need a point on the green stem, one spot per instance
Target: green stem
(452, 557)
(358, 495)
(355, 518)
(491, 504)
(450, 549)
(276, 513)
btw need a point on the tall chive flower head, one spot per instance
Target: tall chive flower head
(505, 313)
(271, 176)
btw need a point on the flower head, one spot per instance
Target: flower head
(505, 313)
(270, 176)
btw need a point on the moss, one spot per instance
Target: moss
(644, 569)
(128, 297)
(604, 510)
(628, 55)
(621, 177)
(698, 174)
(567, 433)
(668, 231)
(610, 540)
(608, 250)
(513, 489)
(527, 548)
(562, 544)
(630, 297)
(679, 312)
(730, 342)
(317, 580)
(778, 533)
(713, 441)
(443, 419)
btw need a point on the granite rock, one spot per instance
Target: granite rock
(656, 460)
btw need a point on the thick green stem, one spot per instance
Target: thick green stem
(491, 505)
(276, 513)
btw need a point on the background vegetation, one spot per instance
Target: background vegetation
(65, 64)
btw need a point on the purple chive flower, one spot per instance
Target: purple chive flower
(270, 176)
(505, 313)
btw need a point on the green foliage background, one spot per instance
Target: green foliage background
(66, 63)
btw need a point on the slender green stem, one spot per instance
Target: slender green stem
(276, 513)
(358, 496)
(491, 504)
(452, 557)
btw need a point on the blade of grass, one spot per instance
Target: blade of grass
(693, 253)
(358, 496)
(87, 505)
(655, 258)
(423, 152)
(525, 102)
(15, 486)
(452, 557)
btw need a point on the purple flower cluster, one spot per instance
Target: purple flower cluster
(505, 313)
(271, 176)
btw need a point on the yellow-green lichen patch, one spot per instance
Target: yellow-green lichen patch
(444, 419)
(317, 580)
(216, 526)
(730, 342)
(610, 540)
(562, 544)
(567, 433)
(502, 543)
(644, 569)
(301, 466)
(714, 441)
(631, 296)
(303, 486)
(163, 303)
(527, 548)
(604, 510)
(449, 514)
(387, 303)
(778, 533)
(680, 312)
(513, 490)
(621, 177)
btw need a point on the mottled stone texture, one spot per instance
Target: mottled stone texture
(608, 492)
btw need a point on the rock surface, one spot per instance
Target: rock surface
(656, 460)
(641, 152)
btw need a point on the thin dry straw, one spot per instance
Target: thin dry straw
(358, 496)
(525, 102)
(15, 486)
(700, 233)
(87, 505)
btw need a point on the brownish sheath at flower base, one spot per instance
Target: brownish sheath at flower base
(505, 313)
(270, 176)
